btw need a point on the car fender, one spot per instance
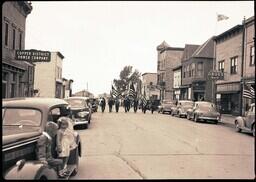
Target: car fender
(31, 170)
(240, 121)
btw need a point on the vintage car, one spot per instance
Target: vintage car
(203, 111)
(182, 107)
(166, 106)
(246, 122)
(23, 121)
(80, 111)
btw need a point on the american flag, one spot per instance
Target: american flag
(114, 92)
(132, 93)
(143, 99)
(249, 92)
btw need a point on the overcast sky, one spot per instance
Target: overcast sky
(99, 38)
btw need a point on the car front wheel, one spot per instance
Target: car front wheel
(196, 118)
(188, 116)
(237, 126)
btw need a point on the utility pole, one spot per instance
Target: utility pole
(242, 71)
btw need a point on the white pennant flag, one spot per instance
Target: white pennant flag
(221, 17)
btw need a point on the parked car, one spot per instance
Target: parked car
(246, 122)
(182, 107)
(23, 121)
(80, 111)
(203, 111)
(166, 106)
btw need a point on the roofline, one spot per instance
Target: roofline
(220, 36)
(148, 73)
(59, 54)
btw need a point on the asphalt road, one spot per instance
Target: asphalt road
(159, 146)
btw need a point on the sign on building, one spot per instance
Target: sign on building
(33, 55)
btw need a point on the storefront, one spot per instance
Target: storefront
(198, 89)
(228, 98)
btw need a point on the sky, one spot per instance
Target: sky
(99, 38)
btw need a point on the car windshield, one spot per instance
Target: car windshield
(207, 106)
(188, 103)
(76, 102)
(18, 116)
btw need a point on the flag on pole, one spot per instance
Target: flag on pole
(248, 92)
(221, 17)
(132, 93)
(114, 92)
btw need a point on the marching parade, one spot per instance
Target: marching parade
(92, 90)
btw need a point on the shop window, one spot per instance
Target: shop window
(221, 66)
(233, 68)
(252, 61)
(13, 38)
(20, 42)
(6, 36)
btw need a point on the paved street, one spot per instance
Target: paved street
(146, 146)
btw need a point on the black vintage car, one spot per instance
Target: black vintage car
(80, 111)
(23, 121)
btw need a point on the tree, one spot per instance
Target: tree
(125, 77)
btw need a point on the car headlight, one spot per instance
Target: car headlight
(82, 114)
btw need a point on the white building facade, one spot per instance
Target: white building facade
(48, 77)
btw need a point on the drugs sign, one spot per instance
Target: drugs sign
(33, 55)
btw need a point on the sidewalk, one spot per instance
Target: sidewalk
(228, 119)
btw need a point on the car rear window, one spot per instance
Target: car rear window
(18, 116)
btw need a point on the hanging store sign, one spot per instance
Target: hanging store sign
(33, 55)
(216, 75)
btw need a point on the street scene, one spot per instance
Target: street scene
(138, 146)
(128, 90)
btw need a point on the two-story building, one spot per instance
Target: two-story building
(17, 76)
(149, 86)
(168, 58)
(177, 82)
(185, 88)
(48, 77)
(249, 59)
(228, 47)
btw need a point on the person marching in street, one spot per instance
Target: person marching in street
(103, 104)
(128, 104)
(125, 104)
(117, 103)
(135, 105)
(110, 103)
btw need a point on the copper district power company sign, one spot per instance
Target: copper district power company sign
(33, 55)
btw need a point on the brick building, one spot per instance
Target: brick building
(48, 77)
(167, 59)
(249, 59)
(17, 76)
(228, 60)
(185, 89)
